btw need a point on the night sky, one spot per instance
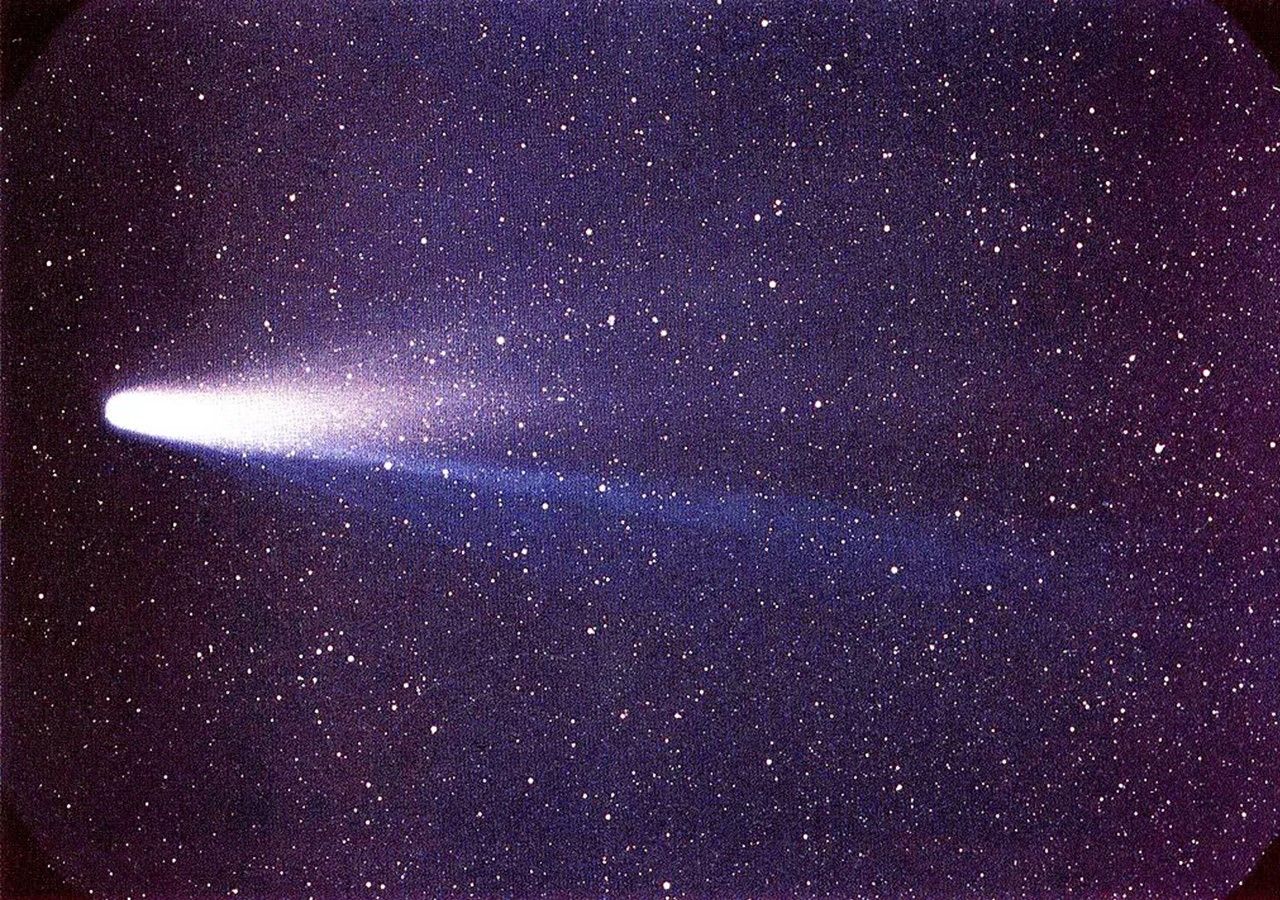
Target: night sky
(716, 450)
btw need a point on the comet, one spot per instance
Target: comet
(277, 421)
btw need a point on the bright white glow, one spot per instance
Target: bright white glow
(277, 421)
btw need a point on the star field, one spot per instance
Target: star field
(650, 449)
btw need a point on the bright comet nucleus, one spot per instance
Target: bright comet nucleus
(262, 419)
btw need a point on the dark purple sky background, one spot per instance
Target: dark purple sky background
(952, 326)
